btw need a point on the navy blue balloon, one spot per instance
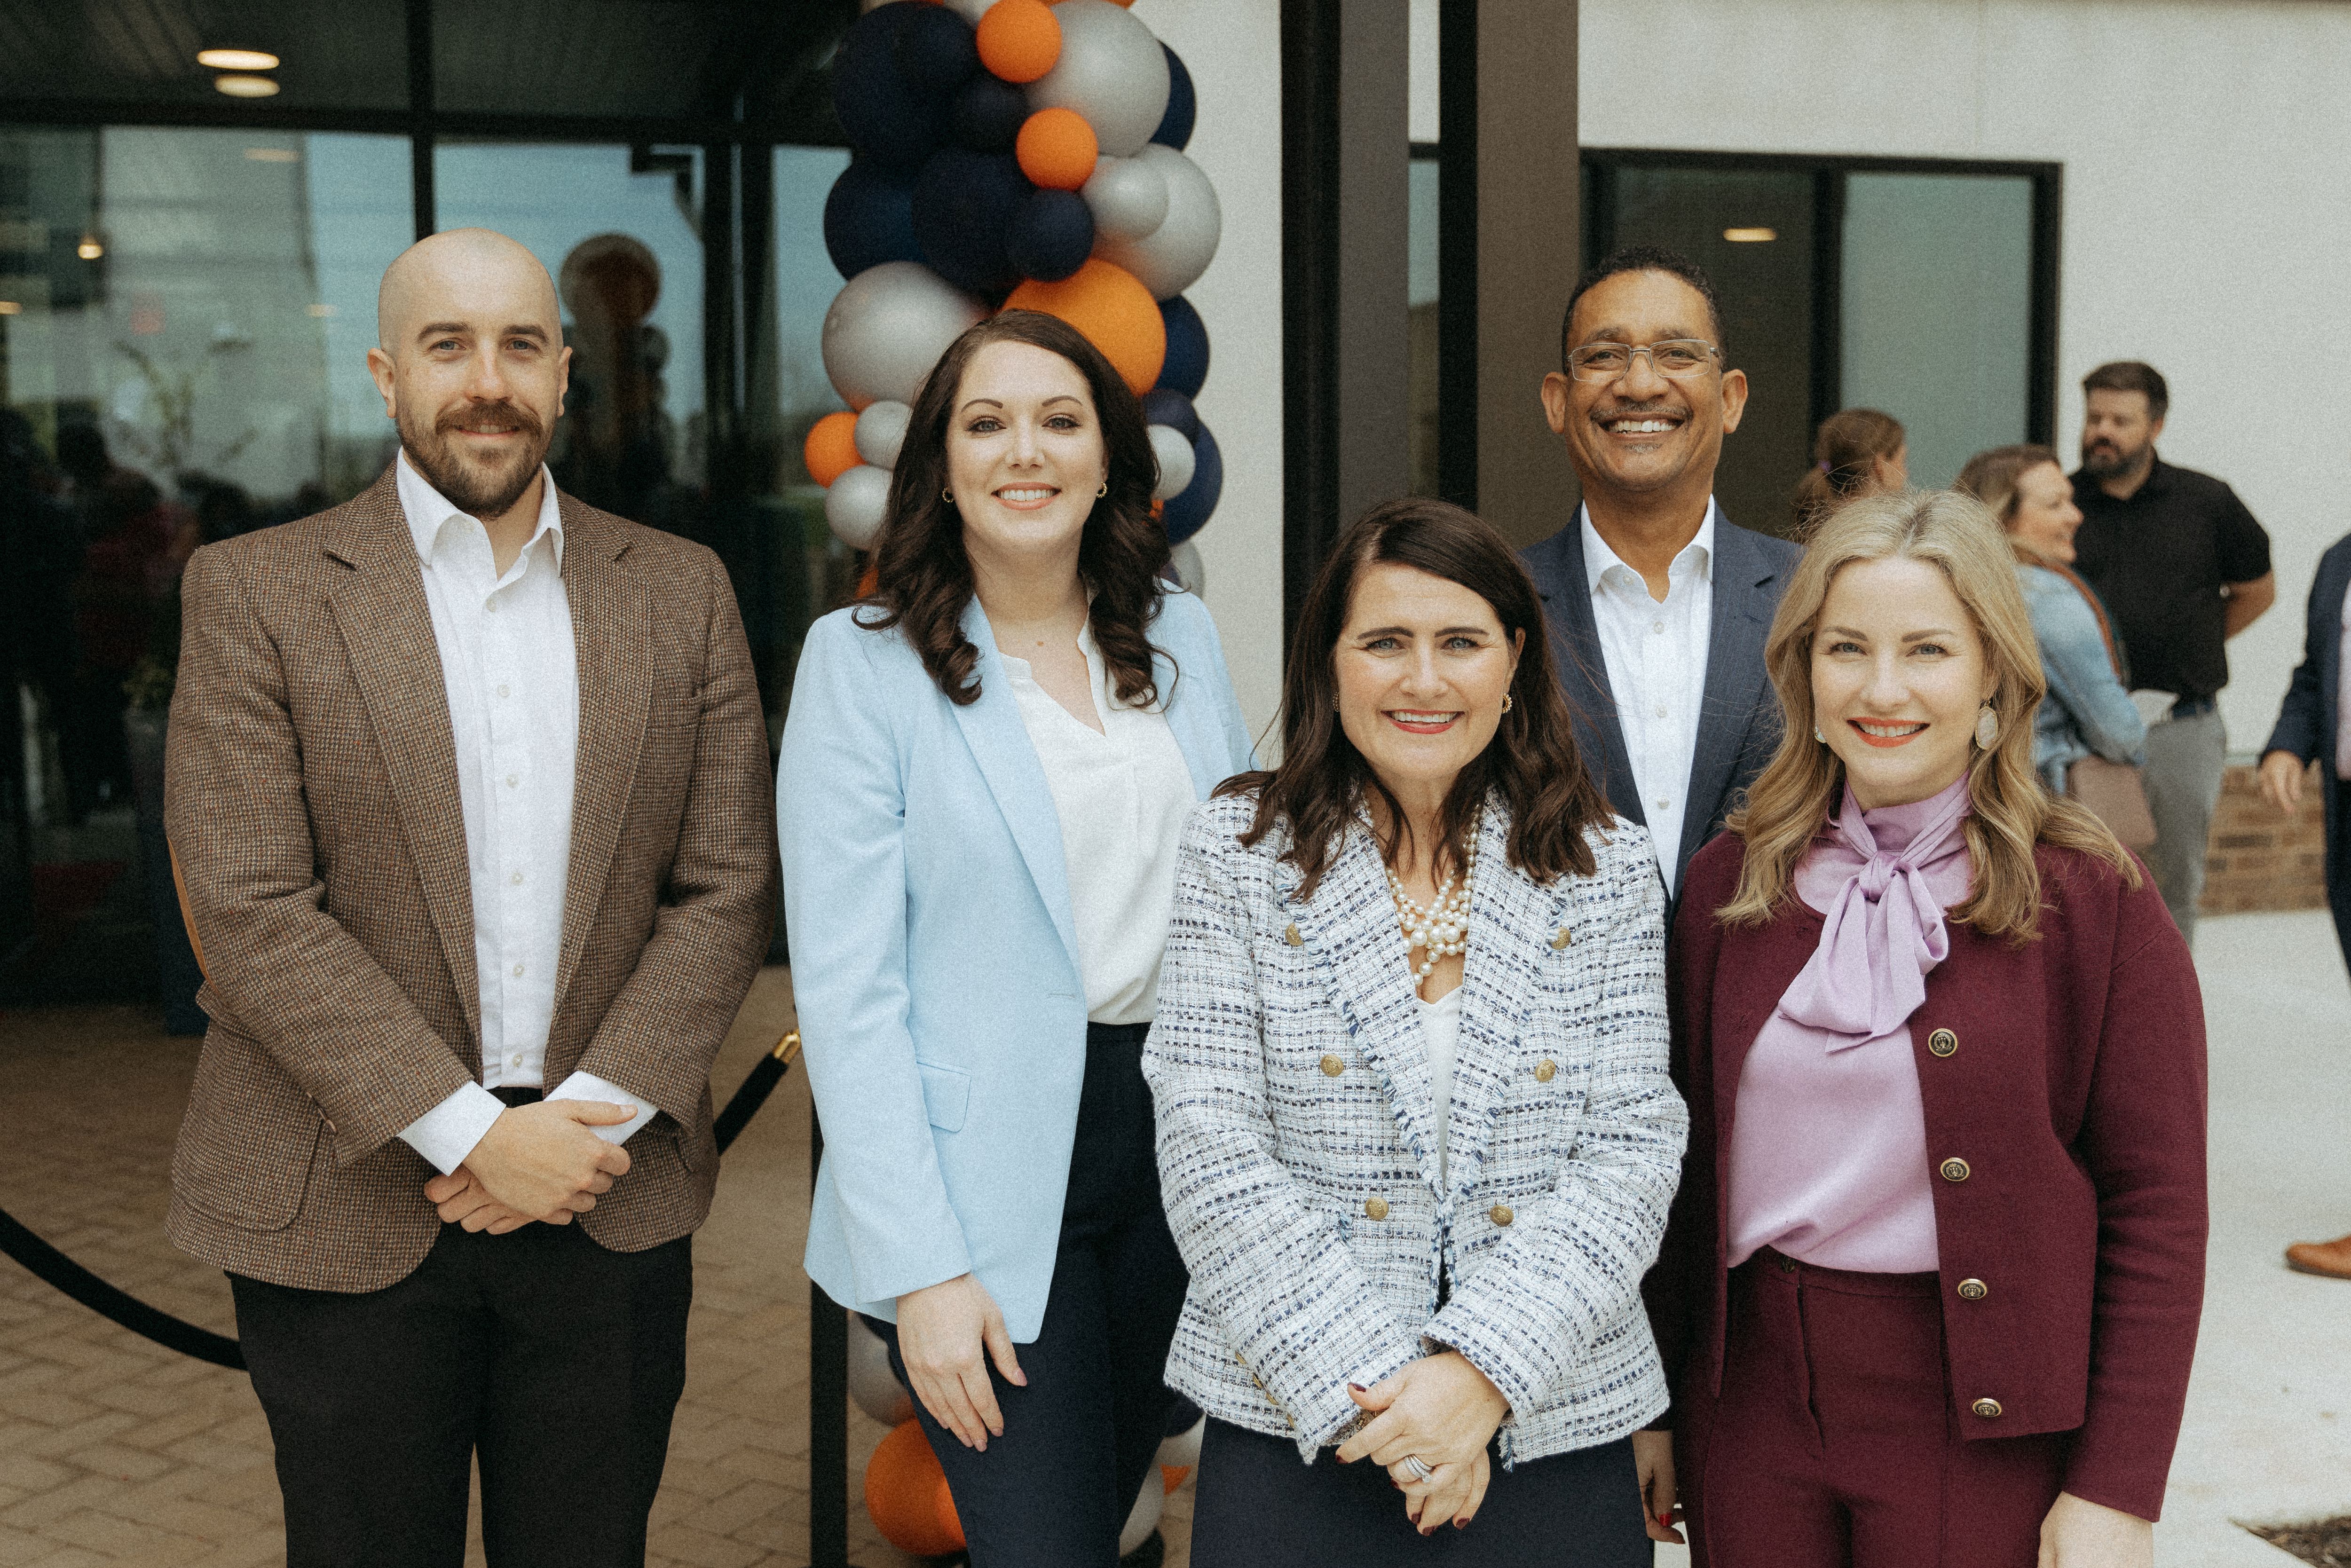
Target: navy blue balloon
(1183, 106)
(884, 116)
(1187, 370)
(988, 114)
(869, 218)
(1165, 405)
(964, 206)
(1188, 513)
(936, 49)
(1051, 236)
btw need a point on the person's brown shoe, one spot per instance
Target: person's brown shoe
(2332, 1258)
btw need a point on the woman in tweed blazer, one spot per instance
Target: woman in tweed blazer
(1416, 1182)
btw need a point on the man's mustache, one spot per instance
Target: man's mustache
(489, 419)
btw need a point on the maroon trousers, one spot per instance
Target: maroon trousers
(1831, 1443)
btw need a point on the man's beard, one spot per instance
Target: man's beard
(476, 488)
(2106, 462)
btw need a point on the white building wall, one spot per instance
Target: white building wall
(1233, 50)
(2206, 228)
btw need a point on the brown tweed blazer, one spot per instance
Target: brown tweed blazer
(312, 797)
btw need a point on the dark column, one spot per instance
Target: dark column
(1347, 351)
(1508, 254)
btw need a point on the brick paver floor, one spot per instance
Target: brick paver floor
(115, 1451)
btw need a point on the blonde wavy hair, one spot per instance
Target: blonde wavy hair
(1796, 791)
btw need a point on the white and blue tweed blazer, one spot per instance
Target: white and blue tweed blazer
(1297, 1144)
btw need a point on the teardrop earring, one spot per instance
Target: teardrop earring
(1987, 728)
(1818, 737)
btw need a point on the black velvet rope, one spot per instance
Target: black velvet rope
(52, 1267)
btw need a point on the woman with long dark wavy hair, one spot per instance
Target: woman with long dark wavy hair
(985, 771)
(1415, 1129)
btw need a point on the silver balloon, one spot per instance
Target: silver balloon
(1175, 454)
(886, 329)
(871, 1385)
(1111, 70)
(1193, 573)
(970, 11)
(1128, 197)
(880, 431)
(1148, 1506)
(1171, 258)
(854, 504)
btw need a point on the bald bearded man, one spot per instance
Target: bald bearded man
(468, 782)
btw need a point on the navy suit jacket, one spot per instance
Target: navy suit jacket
(1739, 723)
(2306, 719)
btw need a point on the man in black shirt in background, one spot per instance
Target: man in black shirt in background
(2182, 566)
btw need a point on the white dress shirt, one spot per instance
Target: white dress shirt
(1656, 655)
(1123, 795)
(510, 667)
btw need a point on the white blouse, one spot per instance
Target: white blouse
(1440, 1028)
(1122, 796)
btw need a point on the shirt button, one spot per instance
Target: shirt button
(1332, 1067)
(1376, 1208)
(1500, 1214)
(517, 969)
(513, 779)
(492, 606)
(515, 879)
(1657, 626)
(1661, 708)
(1546, 1069)
(502, 690)
(515, 1061)
(1661, 805)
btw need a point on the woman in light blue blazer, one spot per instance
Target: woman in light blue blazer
(2089, 711)
(986, 768)
(1415, 1127)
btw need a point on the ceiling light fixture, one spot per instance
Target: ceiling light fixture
(11, 308)
(1750, 236)
(247, 86)
(273, 154)
(238, 59)
(90, 249)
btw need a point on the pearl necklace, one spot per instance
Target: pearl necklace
(1443, 928)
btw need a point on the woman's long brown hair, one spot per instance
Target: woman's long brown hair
(1323, 781)
(924, 576)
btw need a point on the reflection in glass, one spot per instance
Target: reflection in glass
(183, 315)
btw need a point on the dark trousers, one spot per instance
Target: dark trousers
(1834, 1443)
(559, 1363)
(1056, 1488)
(1257, 1505)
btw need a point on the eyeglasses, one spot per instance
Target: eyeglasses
(1675, 359)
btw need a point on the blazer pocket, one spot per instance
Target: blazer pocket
(947, 1094)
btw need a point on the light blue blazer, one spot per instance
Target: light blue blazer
(935, 960)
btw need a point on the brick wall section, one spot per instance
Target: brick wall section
(2258, 860)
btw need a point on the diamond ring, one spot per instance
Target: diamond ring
(1418, 1466)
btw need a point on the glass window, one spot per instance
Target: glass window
(183, 321)
(1938, 327)
(1423, 224)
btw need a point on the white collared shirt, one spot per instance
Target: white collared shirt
(1123, 795)
(1656, 655)
(510, 667)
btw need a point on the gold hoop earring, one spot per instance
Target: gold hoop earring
(1506, 702)
(948, 496)
(1104, 491)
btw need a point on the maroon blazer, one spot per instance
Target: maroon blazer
(2067, 1075)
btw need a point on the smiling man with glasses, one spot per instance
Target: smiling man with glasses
(1658, 605)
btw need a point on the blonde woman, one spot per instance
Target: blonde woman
(2089, 712)
(1930, 1288)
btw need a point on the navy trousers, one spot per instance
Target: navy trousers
(1056, 1488)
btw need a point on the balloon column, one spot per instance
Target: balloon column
(1012, 154)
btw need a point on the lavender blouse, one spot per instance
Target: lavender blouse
(1828, 1145)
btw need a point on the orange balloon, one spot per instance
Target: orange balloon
(831, 450)
(1019, 40)
(1106, 303)
(906, 1493)
(1172, 1475)
(870, 583)
(1057, 149)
